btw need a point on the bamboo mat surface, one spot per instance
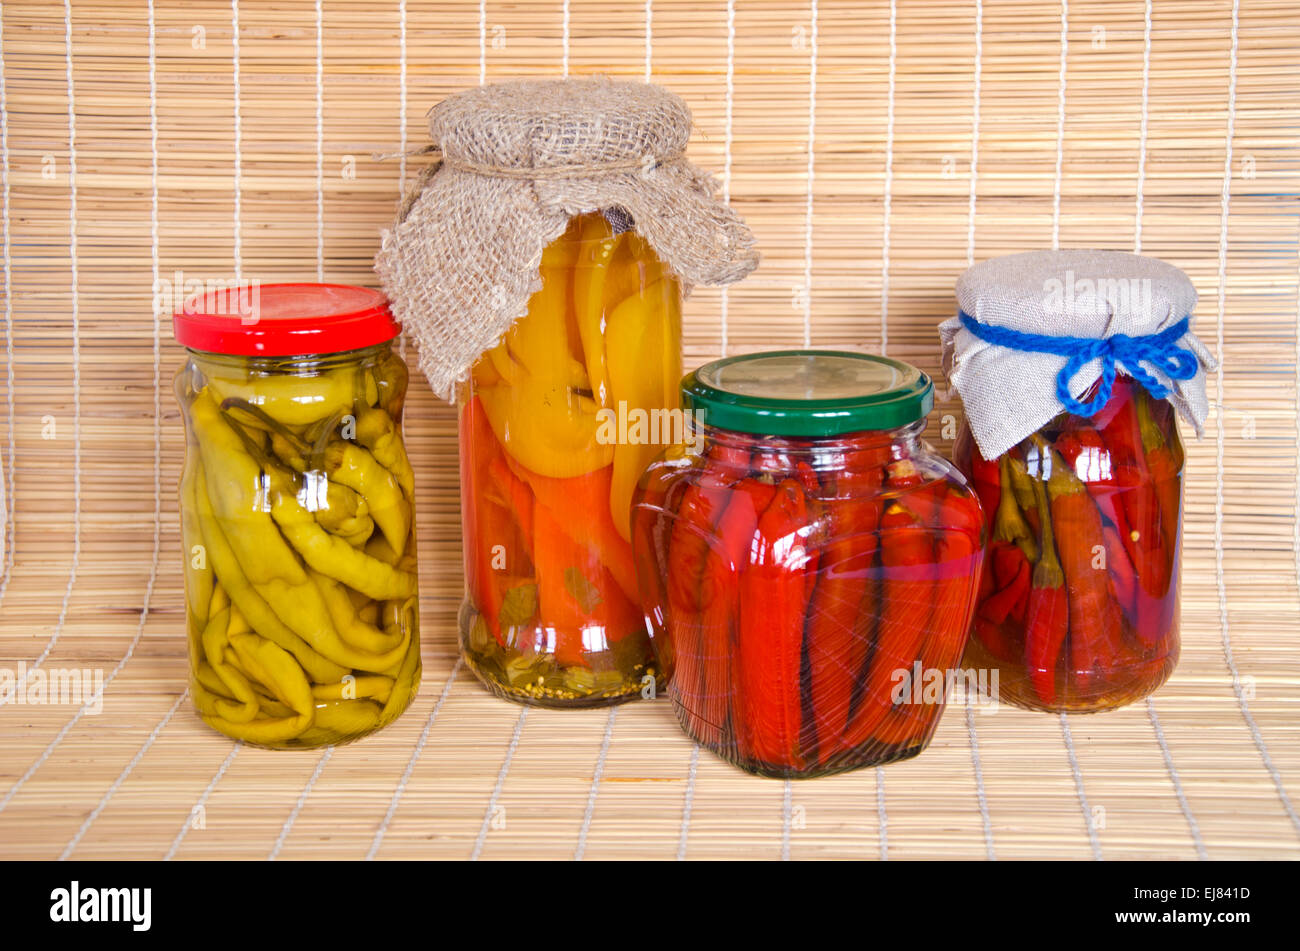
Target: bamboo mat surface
(876, 149)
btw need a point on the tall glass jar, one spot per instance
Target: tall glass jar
(556, 425)
(808, 563)
(297, 514)
(1079, 606)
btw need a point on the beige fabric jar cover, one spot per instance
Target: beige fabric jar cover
(518, 160)
(1008, 392)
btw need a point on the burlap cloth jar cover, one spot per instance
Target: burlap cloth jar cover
(517, 161)
(1036, 330)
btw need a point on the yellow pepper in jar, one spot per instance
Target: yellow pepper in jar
(560, 420)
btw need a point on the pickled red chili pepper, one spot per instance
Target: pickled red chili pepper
(773, 601)
(955, 558)
(841, 627)
(1096, 623)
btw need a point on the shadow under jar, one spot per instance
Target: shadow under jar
(1079, 605)
(557, 422)
(297, 515)
(807, 563)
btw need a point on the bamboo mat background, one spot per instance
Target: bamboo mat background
(876, 149)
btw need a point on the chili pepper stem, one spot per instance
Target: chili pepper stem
(1009, 524)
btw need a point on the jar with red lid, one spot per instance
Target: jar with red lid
(297, 514)
(808, 565)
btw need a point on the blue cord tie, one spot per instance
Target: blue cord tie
(1160, 350)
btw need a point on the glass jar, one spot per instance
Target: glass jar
(297, 514)
(1078, 608)
(807, 563)
(556, 425)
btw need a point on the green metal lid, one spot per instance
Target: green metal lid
(808, 393)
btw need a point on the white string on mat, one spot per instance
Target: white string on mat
(21, 683)
(1093, 839)
(889, 179)
(203, 800)
(649, 37)
(811, 177)
(410, 763)
(490, 812)
(1060, 124)
(320, 143)
(1142, 131)
(1192, 826)
(688, 802)
(975, 132)
(482, 41)
(1295, 544)
(1221, 583)
(564, 38)
(126, 771)
(401, 100)
(401, 94)
(728, 139)
(787, 811)
(599, 771)
(882, 815)
(10, 528)
(981, 796)
(298, 806)
(238, 134)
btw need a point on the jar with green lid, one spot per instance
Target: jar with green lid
(297, 514)
(808, 565)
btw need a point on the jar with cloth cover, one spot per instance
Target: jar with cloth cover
(540, 265)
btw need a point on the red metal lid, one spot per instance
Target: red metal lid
(281, 320)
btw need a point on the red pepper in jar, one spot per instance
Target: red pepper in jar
(699, 610)
(1155, 614)
(986, 478)
(1096, 622)
(1087, 454)
(496, 558)
(578, 596)
(906, 597)
(1139, 499)
(773, 602)
(581, 507)
(840, 625)
(955, 521)
(1008, 588)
